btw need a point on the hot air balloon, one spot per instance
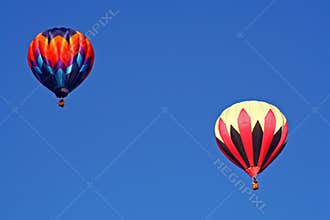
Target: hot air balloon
(61, 59)
(251, 134)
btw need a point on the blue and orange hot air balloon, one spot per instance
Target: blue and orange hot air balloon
(251, 134)
(61, 59)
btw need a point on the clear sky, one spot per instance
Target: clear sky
(135, 140)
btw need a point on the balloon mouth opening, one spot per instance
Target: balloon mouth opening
(61, 92)
(253, 171)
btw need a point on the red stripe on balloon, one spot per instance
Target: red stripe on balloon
(229, 157)
(229, 143)
(244, 125)
(279, 146)
(269, 128)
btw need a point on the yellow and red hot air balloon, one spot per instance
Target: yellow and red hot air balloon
(251, 134)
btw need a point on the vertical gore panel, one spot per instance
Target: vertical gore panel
(236, 138)
(257, 134)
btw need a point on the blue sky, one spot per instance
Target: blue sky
(135, 140)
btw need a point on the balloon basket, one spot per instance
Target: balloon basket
(61, 103)
(255, 184)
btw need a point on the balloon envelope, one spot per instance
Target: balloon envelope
(251, 134)
(61, 59)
